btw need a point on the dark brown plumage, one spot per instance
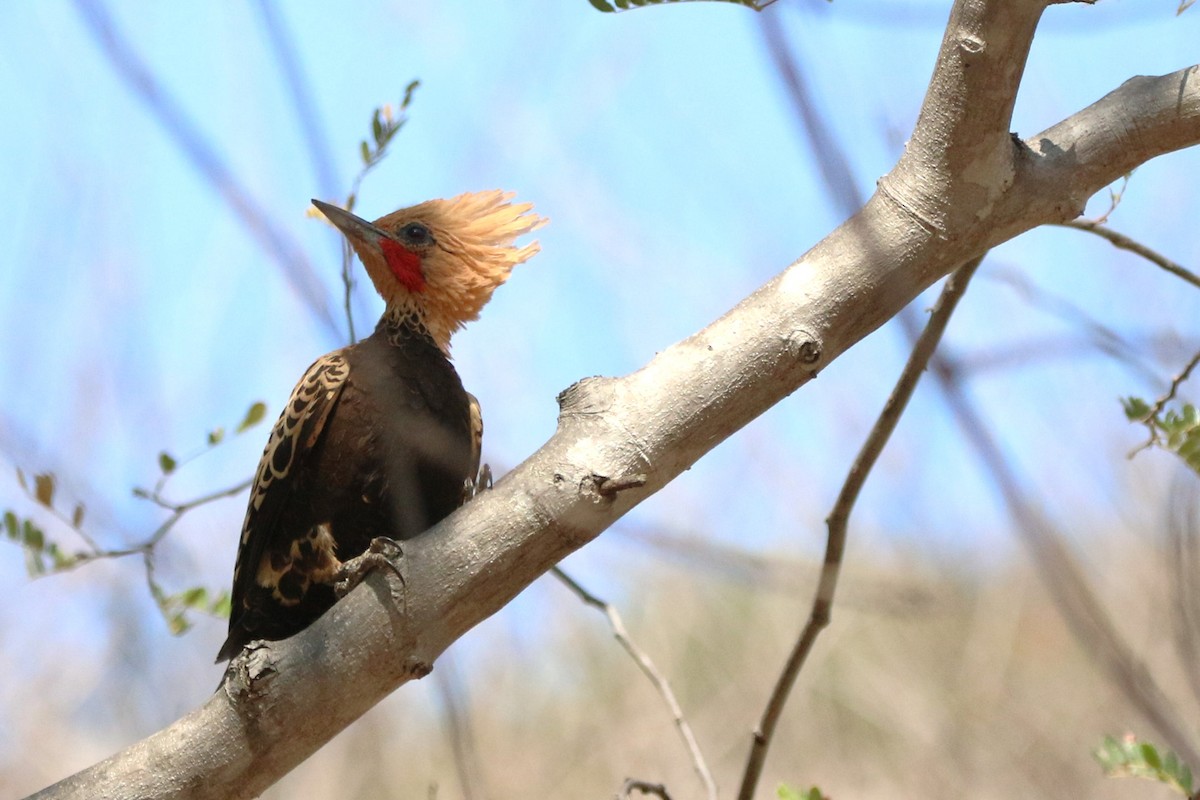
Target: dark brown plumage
(379, 438)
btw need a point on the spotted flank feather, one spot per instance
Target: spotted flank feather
(285, 569)
(297, 429)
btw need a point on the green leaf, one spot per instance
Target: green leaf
(1150, 756)
(77, 515)
(196, 597)
(600, 5)
(785, 792)
(254, 415)
(221, 606)
(1136, 409)
(1131, 758)
(376, 127)
(365, 152)
(408, 94)
(32, 536)
(166, 463)
(43, 488)
(62, 560)
(1190, 416)
(177, 623)
(215, 436)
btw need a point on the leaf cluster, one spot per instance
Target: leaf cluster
(175, 607)
(167, 463)
(1176, 430)
(44, 556)
(385, 124)
(1129, 758)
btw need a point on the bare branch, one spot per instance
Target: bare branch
(839, 518)
(661, 685)
(1123, 242)
(1176, 382)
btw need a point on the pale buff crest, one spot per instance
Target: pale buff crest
(473, 252)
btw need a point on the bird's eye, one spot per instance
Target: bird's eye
(414, 233)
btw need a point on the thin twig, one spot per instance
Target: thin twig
(462, 745)
(646, 665)
(1176, 382)
(1160, 405)
(1013, 354)
(205, 499)
(839, 517)
(1123, 242)
(645, 787)
(178, 510)
(203, 157)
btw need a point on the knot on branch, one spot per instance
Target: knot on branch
(249, 674)
(605, 489)
(804, 348)
(417, 668)
(587, 396)
(971, 43)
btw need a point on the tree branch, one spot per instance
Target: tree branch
(646, 665)
(1123, 242)
(962, 186)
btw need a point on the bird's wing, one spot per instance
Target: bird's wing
(292, 439)
(477, 479)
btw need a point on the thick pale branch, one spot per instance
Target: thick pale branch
(963, 186)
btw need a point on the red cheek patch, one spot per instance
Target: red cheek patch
(404, 264)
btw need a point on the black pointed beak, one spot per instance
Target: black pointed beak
(354, 227)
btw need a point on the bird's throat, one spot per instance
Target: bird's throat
(404, 264)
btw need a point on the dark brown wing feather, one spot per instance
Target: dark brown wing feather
(292, 439)
(475, 478)
(378, 439)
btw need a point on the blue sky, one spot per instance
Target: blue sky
(138, 313)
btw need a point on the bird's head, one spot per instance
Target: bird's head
(440, 261)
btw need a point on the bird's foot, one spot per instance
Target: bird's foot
(382, 553)
(482, 481)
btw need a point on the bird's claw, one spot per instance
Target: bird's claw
(382, 553)
(482, 481)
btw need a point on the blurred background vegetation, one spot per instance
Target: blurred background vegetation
(161, 278)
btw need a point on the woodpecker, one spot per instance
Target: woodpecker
(378, 439)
